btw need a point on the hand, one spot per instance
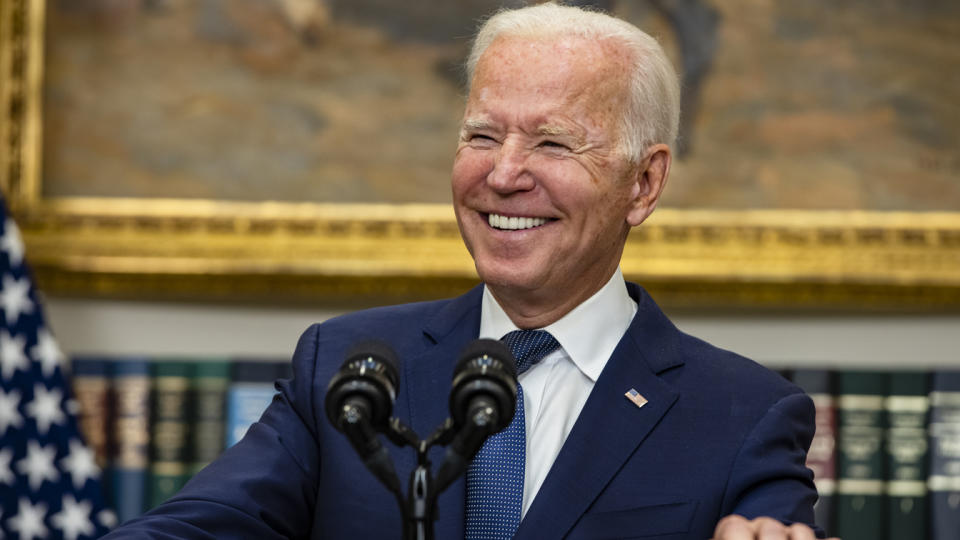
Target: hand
(734, 527)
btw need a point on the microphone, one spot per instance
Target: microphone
(482, 402)
(359, 403)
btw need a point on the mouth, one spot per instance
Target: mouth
(515, 223)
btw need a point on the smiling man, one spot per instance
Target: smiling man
(625, 427)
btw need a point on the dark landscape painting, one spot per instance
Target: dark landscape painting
(819, 104)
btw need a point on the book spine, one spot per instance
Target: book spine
(91, 388)
(944, 479)
(821, 458)
(169, 445)
(860, 486)
(210, 382)
(907, 407)
(131, 392)
(250, 393)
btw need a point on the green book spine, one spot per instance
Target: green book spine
(170, 430)
(210, 381)
(860, 486)
(908, 406)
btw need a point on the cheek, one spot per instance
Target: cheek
(470, 167)
(570, 185)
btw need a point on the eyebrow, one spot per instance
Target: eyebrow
(553, 129)
(476, 125)
(547, 130)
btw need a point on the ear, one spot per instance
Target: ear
(650, 177)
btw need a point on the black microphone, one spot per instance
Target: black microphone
(359, 403)
(482, 402)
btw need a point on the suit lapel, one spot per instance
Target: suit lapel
(429, 373)
(609, 428)
(429, 370)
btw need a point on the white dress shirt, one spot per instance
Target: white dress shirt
(555, 389)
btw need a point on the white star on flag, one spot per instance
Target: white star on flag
(29, 520)
(74, 518)
(11, 354)
(15, 298)
(9, 415)
(6, 473)
(38, 464)
(40, 497)
(108, 518)
(47, 352)
(45, 408)
(12, 243)
(80, 464)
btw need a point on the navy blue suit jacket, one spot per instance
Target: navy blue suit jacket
(719, 435)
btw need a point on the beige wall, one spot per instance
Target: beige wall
(778, 340)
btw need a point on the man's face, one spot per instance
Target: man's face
(542, 193)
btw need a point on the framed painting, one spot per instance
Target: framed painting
(300, 150)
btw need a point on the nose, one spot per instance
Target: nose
(510, 172)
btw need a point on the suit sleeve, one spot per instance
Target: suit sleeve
(262, 487)
(769, 476)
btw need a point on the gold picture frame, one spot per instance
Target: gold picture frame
(222, 250)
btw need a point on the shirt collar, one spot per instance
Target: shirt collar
(588, 334)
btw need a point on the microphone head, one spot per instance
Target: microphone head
(368, 376)
(486, 369)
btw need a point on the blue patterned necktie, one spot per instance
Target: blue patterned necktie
(495, 476)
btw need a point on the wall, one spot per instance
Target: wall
(776, 339)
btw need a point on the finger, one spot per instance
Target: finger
(799, 531)
(733, 527)
(770, 529)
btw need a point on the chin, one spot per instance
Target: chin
(507, 277)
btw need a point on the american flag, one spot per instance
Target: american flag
(49, 482)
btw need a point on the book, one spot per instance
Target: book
(251, 391)
(821, 459)
(170, 428)
(860, 471)
(944, 480)
(209, 382)
(907, 406)
(131, 452)
(90, 382)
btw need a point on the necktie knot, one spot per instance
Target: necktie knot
(530, 346)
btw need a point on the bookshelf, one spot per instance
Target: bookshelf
(877, 343)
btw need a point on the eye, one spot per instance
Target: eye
(479, 140)
(553, 145)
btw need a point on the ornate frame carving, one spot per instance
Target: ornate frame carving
(207, 249)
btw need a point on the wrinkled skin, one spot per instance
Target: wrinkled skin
(541, 140)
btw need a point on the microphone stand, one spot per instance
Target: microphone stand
(419, 507)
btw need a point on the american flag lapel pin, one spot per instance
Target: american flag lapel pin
(636, 397)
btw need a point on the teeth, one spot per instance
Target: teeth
(514, 223)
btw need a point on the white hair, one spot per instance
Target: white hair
(653, 108)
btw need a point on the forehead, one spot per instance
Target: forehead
(566, 68)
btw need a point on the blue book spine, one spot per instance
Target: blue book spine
(944, 479)
(131, 457)
(250, 393)
(245, 404)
